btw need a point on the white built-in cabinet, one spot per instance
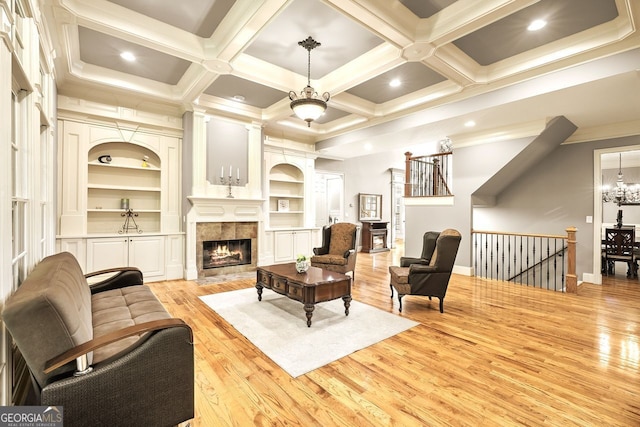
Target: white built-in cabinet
(107, 169)
(289, 229)
(143, 252)
(290, 243)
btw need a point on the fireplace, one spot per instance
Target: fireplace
(225, 253)
(225, 247)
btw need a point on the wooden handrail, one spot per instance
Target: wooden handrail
(506, 233)
(448, 153)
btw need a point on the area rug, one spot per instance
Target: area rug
(278, 327)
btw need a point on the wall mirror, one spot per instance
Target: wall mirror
(370, 207)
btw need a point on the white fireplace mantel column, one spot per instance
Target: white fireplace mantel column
(199, 153)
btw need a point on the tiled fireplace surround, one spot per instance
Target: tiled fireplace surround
(206, 231)
(216, 218)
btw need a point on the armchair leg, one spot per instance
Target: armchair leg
(441, 305)
(400, 301)
(391, 287)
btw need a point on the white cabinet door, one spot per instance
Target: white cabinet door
(107, 253)
(289, 244)
(143, 252)
(301, 243)
(147, 254)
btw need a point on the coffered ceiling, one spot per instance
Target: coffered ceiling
(455, 61)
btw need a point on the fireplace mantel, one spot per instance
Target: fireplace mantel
(215, 209)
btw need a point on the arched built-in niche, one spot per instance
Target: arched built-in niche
(122, 176)
(286, 196)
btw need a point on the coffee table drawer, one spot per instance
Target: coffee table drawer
(295, 291)
(264, 278)
(279, 284)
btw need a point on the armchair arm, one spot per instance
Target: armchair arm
(422, 269)
(120, 277)
(407, 261)
(348, 253)
(84, 348)
(320, 251)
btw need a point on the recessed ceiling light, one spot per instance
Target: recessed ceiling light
(239, 98)
(128, 56)
(470, 124)
(395, 83)
(536, 24)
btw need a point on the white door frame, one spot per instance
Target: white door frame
(596, 276)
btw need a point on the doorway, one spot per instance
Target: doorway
(329, 198)
(608, 163)
(397, 207)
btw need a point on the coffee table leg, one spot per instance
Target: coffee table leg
(347, 303)
(259, 288)
(308, 308)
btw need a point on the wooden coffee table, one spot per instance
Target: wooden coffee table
(314, 286)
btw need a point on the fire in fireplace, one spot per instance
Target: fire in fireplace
(225, 253)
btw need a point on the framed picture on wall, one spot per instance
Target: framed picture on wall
(283, 205)
(370, 207)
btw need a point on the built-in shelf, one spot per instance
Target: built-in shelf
(111, 165)
(123, 187)
(121, 210)
(286, 196)
(109, 185)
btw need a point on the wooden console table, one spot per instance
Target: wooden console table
(374, 236)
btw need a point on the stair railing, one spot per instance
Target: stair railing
(540, 260)
(428, 176)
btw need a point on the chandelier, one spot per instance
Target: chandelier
(308, 106)
(622, 193)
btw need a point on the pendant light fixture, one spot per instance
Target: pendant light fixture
(308, 105)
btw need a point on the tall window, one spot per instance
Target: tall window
(18, 191)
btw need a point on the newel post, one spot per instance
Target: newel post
(407, 174)
(572, 279)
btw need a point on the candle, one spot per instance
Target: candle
(221, 172)
(238, 173)
(230, 171)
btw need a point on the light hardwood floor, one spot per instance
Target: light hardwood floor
(500, 355)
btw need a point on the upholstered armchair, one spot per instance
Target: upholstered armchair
(338, 251)
(430, 280)
(428, 246)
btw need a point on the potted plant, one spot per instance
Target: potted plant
(302, 264)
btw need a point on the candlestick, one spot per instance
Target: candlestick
(221, 172)
(229, 182)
